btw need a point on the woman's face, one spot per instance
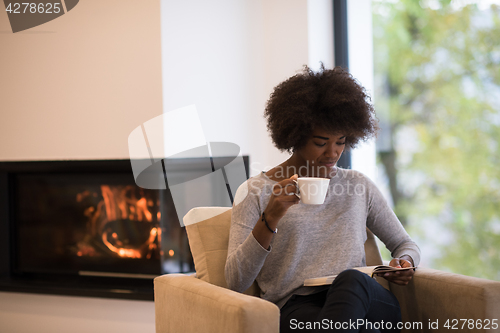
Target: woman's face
(321, 153)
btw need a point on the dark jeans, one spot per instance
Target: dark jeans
(353, 303)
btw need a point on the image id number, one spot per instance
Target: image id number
(478, 324)
(27, 7)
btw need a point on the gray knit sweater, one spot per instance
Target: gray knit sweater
(312, 240)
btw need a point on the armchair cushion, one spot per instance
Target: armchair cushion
(208, 233)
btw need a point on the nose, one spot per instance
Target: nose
(333, 151)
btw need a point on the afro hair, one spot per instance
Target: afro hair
(330, 99)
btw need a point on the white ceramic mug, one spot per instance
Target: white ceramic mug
(312, 190)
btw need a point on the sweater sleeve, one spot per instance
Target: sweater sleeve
(386, 226)
(245, 254)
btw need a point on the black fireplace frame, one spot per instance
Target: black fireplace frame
(88, 286)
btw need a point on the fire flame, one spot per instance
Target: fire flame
(121, 205)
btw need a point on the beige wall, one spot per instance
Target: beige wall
(75, 87)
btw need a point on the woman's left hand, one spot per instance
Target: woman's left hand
(402, 277)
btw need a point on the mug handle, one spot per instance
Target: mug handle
(297, 194)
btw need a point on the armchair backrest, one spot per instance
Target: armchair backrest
(208, 234)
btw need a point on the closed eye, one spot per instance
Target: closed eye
(320, 144)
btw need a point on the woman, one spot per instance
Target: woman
(314, 116)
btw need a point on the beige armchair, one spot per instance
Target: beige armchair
(203, 304)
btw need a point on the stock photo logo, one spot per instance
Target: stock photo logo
(26, 15)
(170, 152)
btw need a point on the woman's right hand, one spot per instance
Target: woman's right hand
(283, 197)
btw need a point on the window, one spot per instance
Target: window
(437, 96)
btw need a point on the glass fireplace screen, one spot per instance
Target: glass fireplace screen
(91, 224)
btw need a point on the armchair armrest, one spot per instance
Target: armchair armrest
(436, 295)
(187, 304)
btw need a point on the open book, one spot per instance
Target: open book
(369, 270)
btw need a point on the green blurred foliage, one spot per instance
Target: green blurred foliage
(437, 94)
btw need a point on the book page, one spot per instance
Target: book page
(368, 270)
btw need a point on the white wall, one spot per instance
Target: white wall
(320, 33)
(359, 18)
(225, 57)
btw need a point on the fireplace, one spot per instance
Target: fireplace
(85, 228)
